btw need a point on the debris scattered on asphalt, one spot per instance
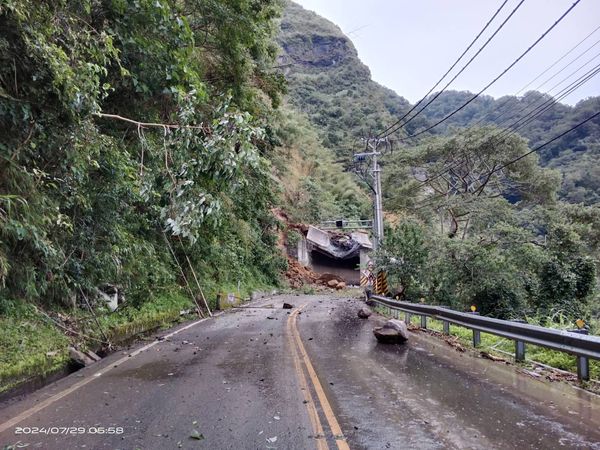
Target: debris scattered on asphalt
(487, 355)
(364, 312)
(272, 440)
(195, 434)
(288, 306)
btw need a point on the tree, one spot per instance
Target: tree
(456, 174)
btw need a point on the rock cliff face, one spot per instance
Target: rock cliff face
(329, 83)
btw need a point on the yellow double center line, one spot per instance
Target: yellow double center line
(301, 357)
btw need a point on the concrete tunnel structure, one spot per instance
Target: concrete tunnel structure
(334, 252)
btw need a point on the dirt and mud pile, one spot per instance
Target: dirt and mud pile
(299, 275)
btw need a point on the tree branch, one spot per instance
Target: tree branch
(151, 124)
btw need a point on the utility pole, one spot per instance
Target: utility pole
(373, 153)
(377, 203)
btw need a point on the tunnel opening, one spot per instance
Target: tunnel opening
(348, 268)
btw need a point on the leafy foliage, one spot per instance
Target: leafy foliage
(497, 240)
(86, 198)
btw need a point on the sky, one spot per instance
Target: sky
(410, 44)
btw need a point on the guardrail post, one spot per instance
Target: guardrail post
(519, 351)
(395, 313)
(446, 325)
(407, 318)
(476, 338)
(583, 363)
(423, 321)
(583, 368)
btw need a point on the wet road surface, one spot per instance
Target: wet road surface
(243, 381)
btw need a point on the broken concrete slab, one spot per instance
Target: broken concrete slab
(90, 354)
(80, 358)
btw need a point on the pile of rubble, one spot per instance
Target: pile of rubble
(331, 281)
(299, 275)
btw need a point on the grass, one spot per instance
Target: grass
(498, 345)
(32, 345)
(26, 339)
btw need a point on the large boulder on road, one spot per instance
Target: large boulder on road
(394, 331)
(364, 312)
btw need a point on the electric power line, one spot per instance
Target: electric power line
(493, 81)
(508, 163)
(456, 62)
(507, 101)
(549, 103)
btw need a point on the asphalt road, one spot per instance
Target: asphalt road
(312, 377)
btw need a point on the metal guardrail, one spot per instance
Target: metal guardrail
(354, 224)
(580, 345)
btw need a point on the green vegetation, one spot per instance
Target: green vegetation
(499, 240)
(31, 346)
(92, 197)
(574, 154)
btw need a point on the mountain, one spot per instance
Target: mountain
(575, 155)
(328, 82)
(330, 85)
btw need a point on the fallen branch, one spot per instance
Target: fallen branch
(70, 330)
(150, 124)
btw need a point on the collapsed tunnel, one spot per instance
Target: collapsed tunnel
(341, 254)
(348, 268)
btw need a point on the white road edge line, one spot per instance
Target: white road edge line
(37, 408)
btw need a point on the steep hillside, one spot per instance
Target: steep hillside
(573, 155)
(329, 83)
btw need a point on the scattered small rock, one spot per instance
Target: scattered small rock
(195, 434)
(364, 312)
(288, 306)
